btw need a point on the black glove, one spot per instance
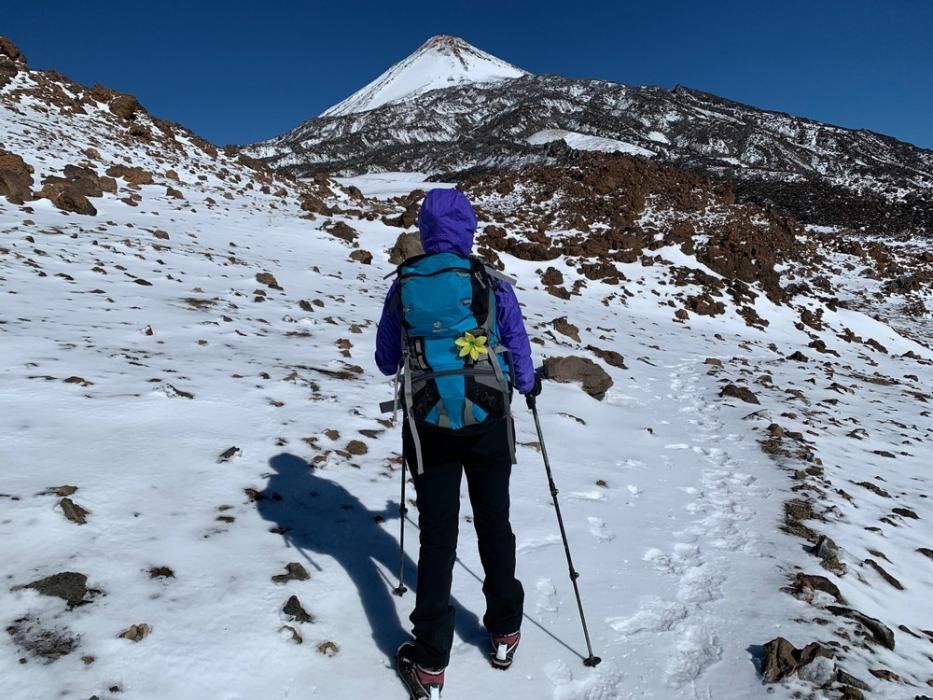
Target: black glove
(536, 389)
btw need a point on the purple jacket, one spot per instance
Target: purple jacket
(447, 224)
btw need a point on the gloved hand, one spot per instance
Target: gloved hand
(535, 390)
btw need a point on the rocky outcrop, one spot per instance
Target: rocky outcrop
(12, 61)
(70, 192)
(15, 178)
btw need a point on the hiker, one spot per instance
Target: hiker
(454, 329)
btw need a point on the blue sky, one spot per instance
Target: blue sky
(236, 71)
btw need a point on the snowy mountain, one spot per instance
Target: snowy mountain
(199, 497)
(820, 173)
(440, 63)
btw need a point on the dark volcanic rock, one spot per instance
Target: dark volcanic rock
(68, 585)
(882, 634)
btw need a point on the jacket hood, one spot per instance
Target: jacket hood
(447, 222)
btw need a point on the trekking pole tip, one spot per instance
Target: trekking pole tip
(592, 661)
(400, 591)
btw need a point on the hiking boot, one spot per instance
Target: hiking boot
(422, 683)
(503, 649)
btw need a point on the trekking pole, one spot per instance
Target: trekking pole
(591, 660)
(402, 511)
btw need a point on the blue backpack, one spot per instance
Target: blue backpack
(455, 372)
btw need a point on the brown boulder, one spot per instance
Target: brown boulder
(125, 106)
(783, 659)
(68, 199)
(594, 378)
(10, 53)
(739, 392)
(565, 327)
(268, 279)
(11, 61)
(362, 256)
(610, 357)
(552, 277)
(15, 177)
(343, 231)
(134, 175)
(407, 245)
(314, 204)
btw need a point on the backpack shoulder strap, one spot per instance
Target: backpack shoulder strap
(496, 274)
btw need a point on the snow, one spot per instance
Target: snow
(441, 62)
(388, 185)
(586, 142)
(671, 506)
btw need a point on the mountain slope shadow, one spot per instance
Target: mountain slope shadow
(319, 516)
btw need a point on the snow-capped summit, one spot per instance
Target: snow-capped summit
(441, 62)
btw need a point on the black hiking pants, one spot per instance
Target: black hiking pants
(485, 458)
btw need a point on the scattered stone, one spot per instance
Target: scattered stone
(874, 488)
(881, 633)
(364, 257)
(884, 574)
(49, 643)
(295, 572)
(343, 231)
(67, 585)
(826, 549)
(295, 611)
(739, 392)
(268, 279)
(595, 380)
(783, 659)
(136, 633)
(161, 572)
(294, 634)
(357, 447)
(804, 585)
(564, 327)
(906, 513)
(610, 357)
(885, 675)
(60, 491)
(73, 511)
(228, 454)
(172, 392)
(328, 648)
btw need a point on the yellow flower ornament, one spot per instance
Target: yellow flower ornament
(472, 345)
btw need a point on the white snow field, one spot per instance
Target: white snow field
(441, 62)
(129, 363)
(588, 142)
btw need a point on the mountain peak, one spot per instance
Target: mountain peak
(440, 62)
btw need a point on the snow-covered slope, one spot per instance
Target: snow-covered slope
(441, 62)
(189, 373)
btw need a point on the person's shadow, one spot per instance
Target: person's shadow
(320, 516)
